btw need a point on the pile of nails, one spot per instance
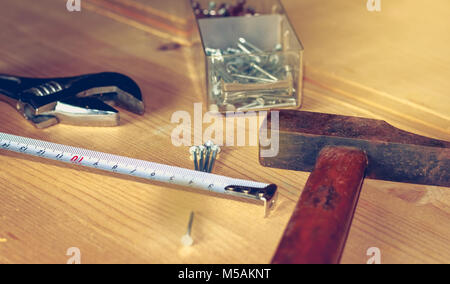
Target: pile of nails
(204, 156)
(246, 63)
(223, 10)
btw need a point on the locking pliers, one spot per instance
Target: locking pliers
(85, 100)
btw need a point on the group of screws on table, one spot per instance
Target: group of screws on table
(245, 78)
(223, 10)
(204, 156)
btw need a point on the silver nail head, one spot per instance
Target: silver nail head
(216, 148)
(279, 47)
(209, 144)
(187, 241)
(193, 150)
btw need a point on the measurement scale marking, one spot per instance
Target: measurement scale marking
(123, 165)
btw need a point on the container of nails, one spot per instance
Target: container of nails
(254, 59)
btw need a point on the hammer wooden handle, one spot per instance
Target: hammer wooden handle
(318, 229)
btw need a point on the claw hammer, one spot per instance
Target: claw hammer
(341, 151)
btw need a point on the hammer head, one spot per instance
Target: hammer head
(394, 154)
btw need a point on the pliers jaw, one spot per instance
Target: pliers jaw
(83, 100)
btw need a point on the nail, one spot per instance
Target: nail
(216, 89)
(231, 68)
(252, 46)
(187, 240)
(259, 102)
(287, 104)
(208, 146)
(213, 108)
(247, 51)
(232, 98)
(250, 11)
(253, 78)
(239, 8)
(223, 12)
(212, 8)
(223, 74)
(194, 152)
(201, 154)
(257, 67)
(278, 47)
(231, 50)
(277, 100)
(206, 13)
(215, 151)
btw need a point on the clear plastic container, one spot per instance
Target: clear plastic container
(254, 60)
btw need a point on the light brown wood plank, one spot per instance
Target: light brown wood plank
(396, 59)
(47, 208)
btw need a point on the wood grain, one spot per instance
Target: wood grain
(394, 60)
(47, 208)
(319, 226)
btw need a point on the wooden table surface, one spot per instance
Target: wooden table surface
(391, 65)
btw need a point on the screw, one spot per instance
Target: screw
(215, 151)
(187, 240)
